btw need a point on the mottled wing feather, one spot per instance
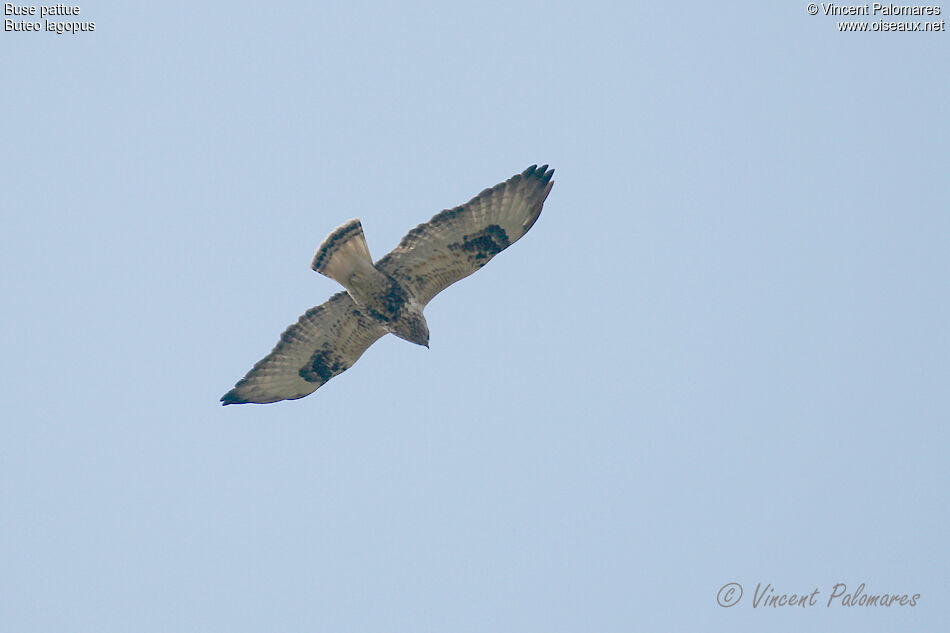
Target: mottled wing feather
(324, 342)
(457, 242)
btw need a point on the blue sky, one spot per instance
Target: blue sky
(719, 356)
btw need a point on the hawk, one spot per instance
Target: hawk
(389, 296)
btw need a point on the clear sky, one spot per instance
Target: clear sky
(721, 355)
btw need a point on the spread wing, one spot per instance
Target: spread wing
(324, 342)
(457, 242)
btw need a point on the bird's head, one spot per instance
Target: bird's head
(412, 327)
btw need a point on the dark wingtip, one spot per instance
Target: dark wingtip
(542, 173)
(231, 398)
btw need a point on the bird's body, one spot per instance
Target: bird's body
(390, 295)
(344, 257)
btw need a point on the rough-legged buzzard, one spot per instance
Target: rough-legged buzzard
(389, 296)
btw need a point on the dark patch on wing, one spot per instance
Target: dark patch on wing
(334, 241)
(323, 366)
(482, 246)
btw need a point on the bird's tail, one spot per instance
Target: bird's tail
(344, 257)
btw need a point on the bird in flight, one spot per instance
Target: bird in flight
(389, 296)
